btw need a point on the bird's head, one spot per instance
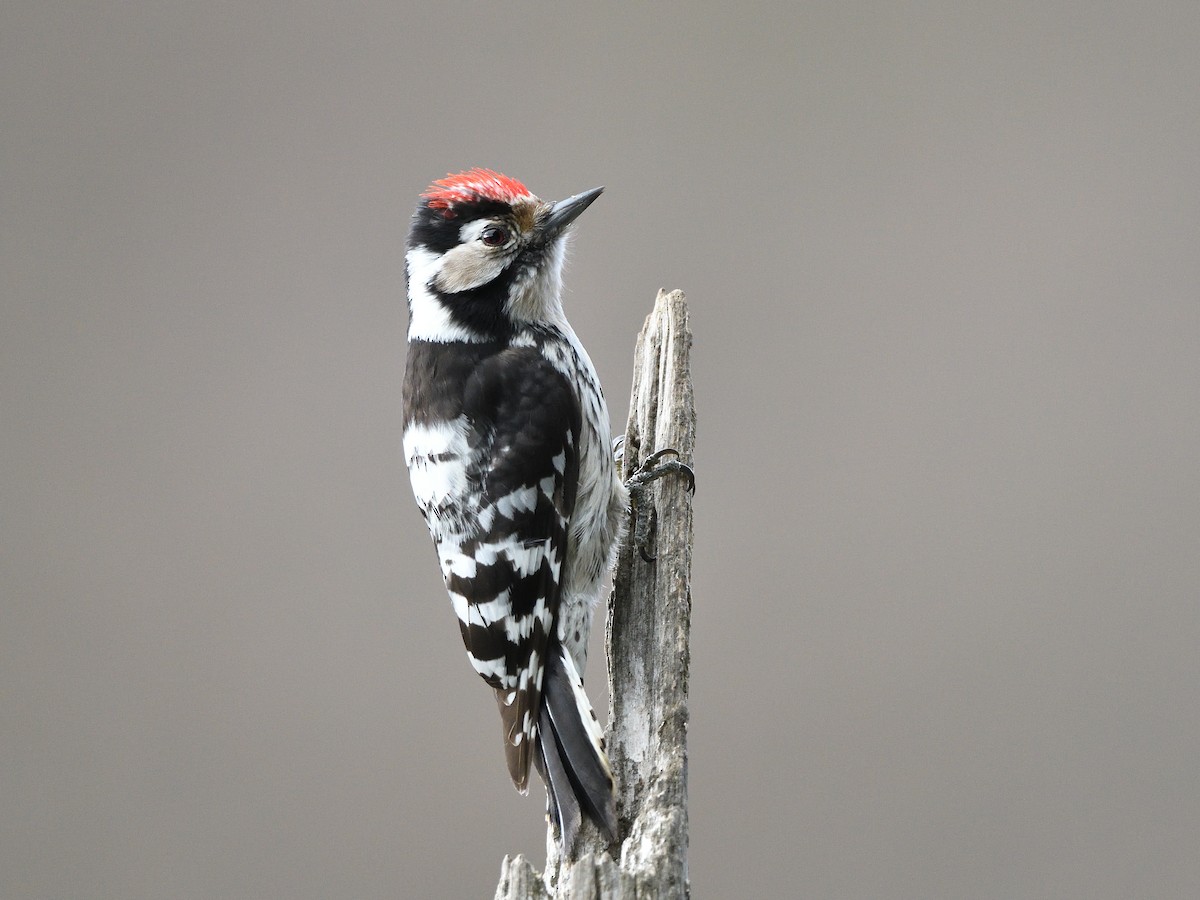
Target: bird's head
(485, 257)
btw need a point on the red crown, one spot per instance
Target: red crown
(474, 185)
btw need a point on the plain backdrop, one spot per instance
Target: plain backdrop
(943, 262)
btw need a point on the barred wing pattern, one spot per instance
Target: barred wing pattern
(496, 480)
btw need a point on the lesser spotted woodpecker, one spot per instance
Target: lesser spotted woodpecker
(507, 440)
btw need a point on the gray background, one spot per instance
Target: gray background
(944, 268)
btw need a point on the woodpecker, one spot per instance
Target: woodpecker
(508, 446)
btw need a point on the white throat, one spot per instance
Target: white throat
(537, 293)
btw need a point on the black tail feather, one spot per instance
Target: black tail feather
(564, 805)
(570, 761)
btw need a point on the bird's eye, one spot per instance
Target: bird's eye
(494, 236)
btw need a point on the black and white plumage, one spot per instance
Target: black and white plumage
(507, 440)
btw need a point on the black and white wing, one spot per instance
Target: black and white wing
(497, 485)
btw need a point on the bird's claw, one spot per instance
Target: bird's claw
(618, 451)
(651, 469)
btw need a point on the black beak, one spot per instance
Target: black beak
(564, 212)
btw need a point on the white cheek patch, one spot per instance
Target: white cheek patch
(467, 266)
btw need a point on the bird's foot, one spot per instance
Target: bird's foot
(645, 520)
